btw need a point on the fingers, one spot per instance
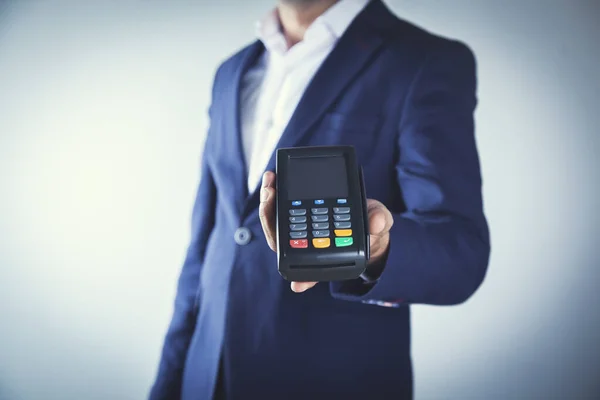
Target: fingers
(380, 223)
(266, 210)
(380, 218)
(299, 287)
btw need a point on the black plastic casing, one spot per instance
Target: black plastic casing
(333, 263)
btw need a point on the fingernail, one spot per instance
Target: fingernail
(295, 289)
(264, 195)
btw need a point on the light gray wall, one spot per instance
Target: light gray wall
(102, 119)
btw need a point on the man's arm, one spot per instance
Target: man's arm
(437, 251)
(179, 334)
(439, 247)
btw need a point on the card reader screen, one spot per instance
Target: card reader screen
(317, 178)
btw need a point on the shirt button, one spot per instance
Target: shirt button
(242, 236)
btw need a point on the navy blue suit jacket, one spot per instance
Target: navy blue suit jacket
(405, 99)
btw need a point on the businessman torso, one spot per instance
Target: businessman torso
(334, 341)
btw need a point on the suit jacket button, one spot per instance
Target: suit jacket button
(242, 236)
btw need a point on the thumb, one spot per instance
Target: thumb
(380, 218)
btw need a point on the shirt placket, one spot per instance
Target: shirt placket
(266, 132)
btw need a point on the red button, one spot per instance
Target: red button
(299, 243)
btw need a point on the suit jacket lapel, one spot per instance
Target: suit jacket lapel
(232, 121)
(354, 50)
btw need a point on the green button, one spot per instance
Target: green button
(343, 241)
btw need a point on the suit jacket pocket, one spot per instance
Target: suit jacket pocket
(357, 130)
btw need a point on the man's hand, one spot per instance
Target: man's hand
(380, 223)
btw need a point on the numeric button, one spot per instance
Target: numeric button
(320, 234)
(298, 227)
(341, 210)
(319, 218)
(341, 217)
(297, 211)
(319, 211)
(297, 220)
(342, 225)
(320, 225)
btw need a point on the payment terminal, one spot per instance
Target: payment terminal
(322, 224)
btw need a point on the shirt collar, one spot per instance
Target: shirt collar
(336, 19)
(339, 16)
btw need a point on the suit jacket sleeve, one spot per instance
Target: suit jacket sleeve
(439, 246)
(170, 371)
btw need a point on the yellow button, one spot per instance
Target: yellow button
(321, 243)
(343, 232)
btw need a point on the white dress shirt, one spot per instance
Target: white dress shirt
(272, 88)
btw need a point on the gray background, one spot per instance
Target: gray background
(102, 121)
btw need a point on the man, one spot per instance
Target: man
(328, 72)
